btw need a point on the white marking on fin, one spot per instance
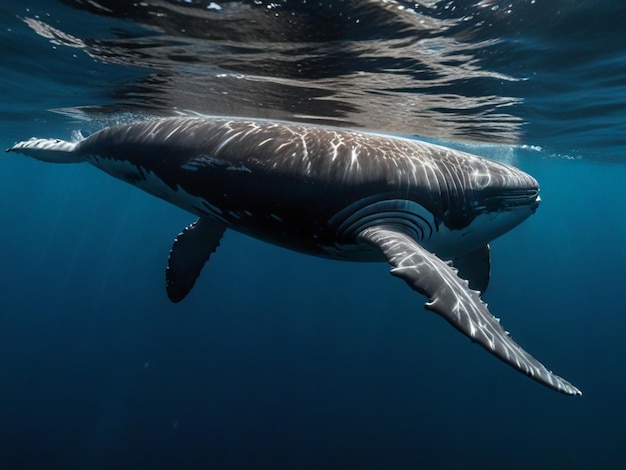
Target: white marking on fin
(240, 167)
(451, 298)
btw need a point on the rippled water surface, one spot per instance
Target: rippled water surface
(550, 74)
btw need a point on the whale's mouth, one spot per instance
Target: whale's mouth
(527, 197)
(514, 198)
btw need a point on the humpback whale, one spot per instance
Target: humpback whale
(428, 210)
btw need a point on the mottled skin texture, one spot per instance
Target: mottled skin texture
(327, 192)
(235, 164)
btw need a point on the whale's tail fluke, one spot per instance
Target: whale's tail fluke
(48, 150)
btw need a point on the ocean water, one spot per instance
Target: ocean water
(276, 359)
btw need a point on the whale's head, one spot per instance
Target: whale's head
(485, 199)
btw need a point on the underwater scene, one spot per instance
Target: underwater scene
(275, 358)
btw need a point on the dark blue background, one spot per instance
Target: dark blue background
(279, 359)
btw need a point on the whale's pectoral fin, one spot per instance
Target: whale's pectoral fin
(451, 298)
(192, 248)
(475, 267)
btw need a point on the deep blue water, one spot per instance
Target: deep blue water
(276, 359)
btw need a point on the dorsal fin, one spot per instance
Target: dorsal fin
(191, 249)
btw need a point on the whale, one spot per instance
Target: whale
(428, 211)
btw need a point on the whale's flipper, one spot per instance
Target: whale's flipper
(48, 150)
(451, 298)
(475, 267)
(192, 248)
